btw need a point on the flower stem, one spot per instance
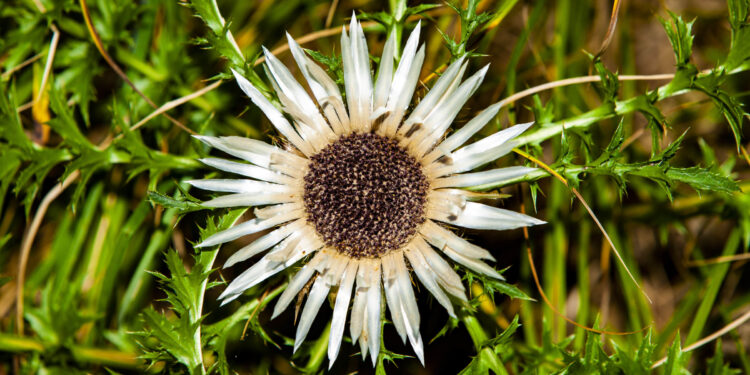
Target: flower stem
(206, 261)
(398, 12)
(486, 355)
(318, 351)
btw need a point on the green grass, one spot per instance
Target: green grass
(112, 283)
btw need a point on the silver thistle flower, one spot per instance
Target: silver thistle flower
(361, 189)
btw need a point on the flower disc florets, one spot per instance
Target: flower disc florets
(365, 195)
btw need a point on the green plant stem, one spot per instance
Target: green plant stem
(398, 12)
(678, 86)
(203, 265)
(475, 330)
(318, 351)
(208, 258)
(479, 338)
(380, 364)
(84, 354)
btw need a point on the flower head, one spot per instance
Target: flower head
(363, 188)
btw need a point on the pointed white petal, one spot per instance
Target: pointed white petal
(449, 108)
(274, 115)
(261, 244)
(446, 276)
(338, 321)
(418, 346)
(415, 338)
(321, 86)
(285, 248)
(286, 82)
(249, 144)
(481, 216)
(289, 164)
(250, 199)
(443, 203)
(297, 283)
(336, 267)
(401, 301)
(278, 209)
(404, 81)
(324, 89)
(311, 131)
(248, 170)
(410, 311)
(248, 227)
(348, 66)
(405, 66)
(472, 264)
(357, 78)
(385, 74)
(393, 299)
(492, 176)
(440, 237)
(363, 345)
(462, 135)
(266, 268)
(259, 155)
(238, 186)
(405, 96)
(428, 279)
(483, 151)
(307, 110)
(318, 294)
(411, 78)
(440, 119)
(358, 308)
(429, 102)
(257, 152)
(373, 311)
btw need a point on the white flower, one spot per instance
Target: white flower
(362, 189)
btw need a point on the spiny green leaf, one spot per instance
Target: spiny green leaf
(727, 104)
(739, 51)
(492, 286)
(638, 362)
(616, 141)
(470, 22)
(716, 366)
(609, 84)
(12, 129)
(676, 358)
(222, 41)
(680, 36)
(180, 203)
(703, 179)
(65, 124)
(543, 113)
(501, 342)
(333, 64)
(163, 337)
(449, 326)
(670, 151)
(58, 317)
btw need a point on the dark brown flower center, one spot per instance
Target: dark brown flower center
(365, 195)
